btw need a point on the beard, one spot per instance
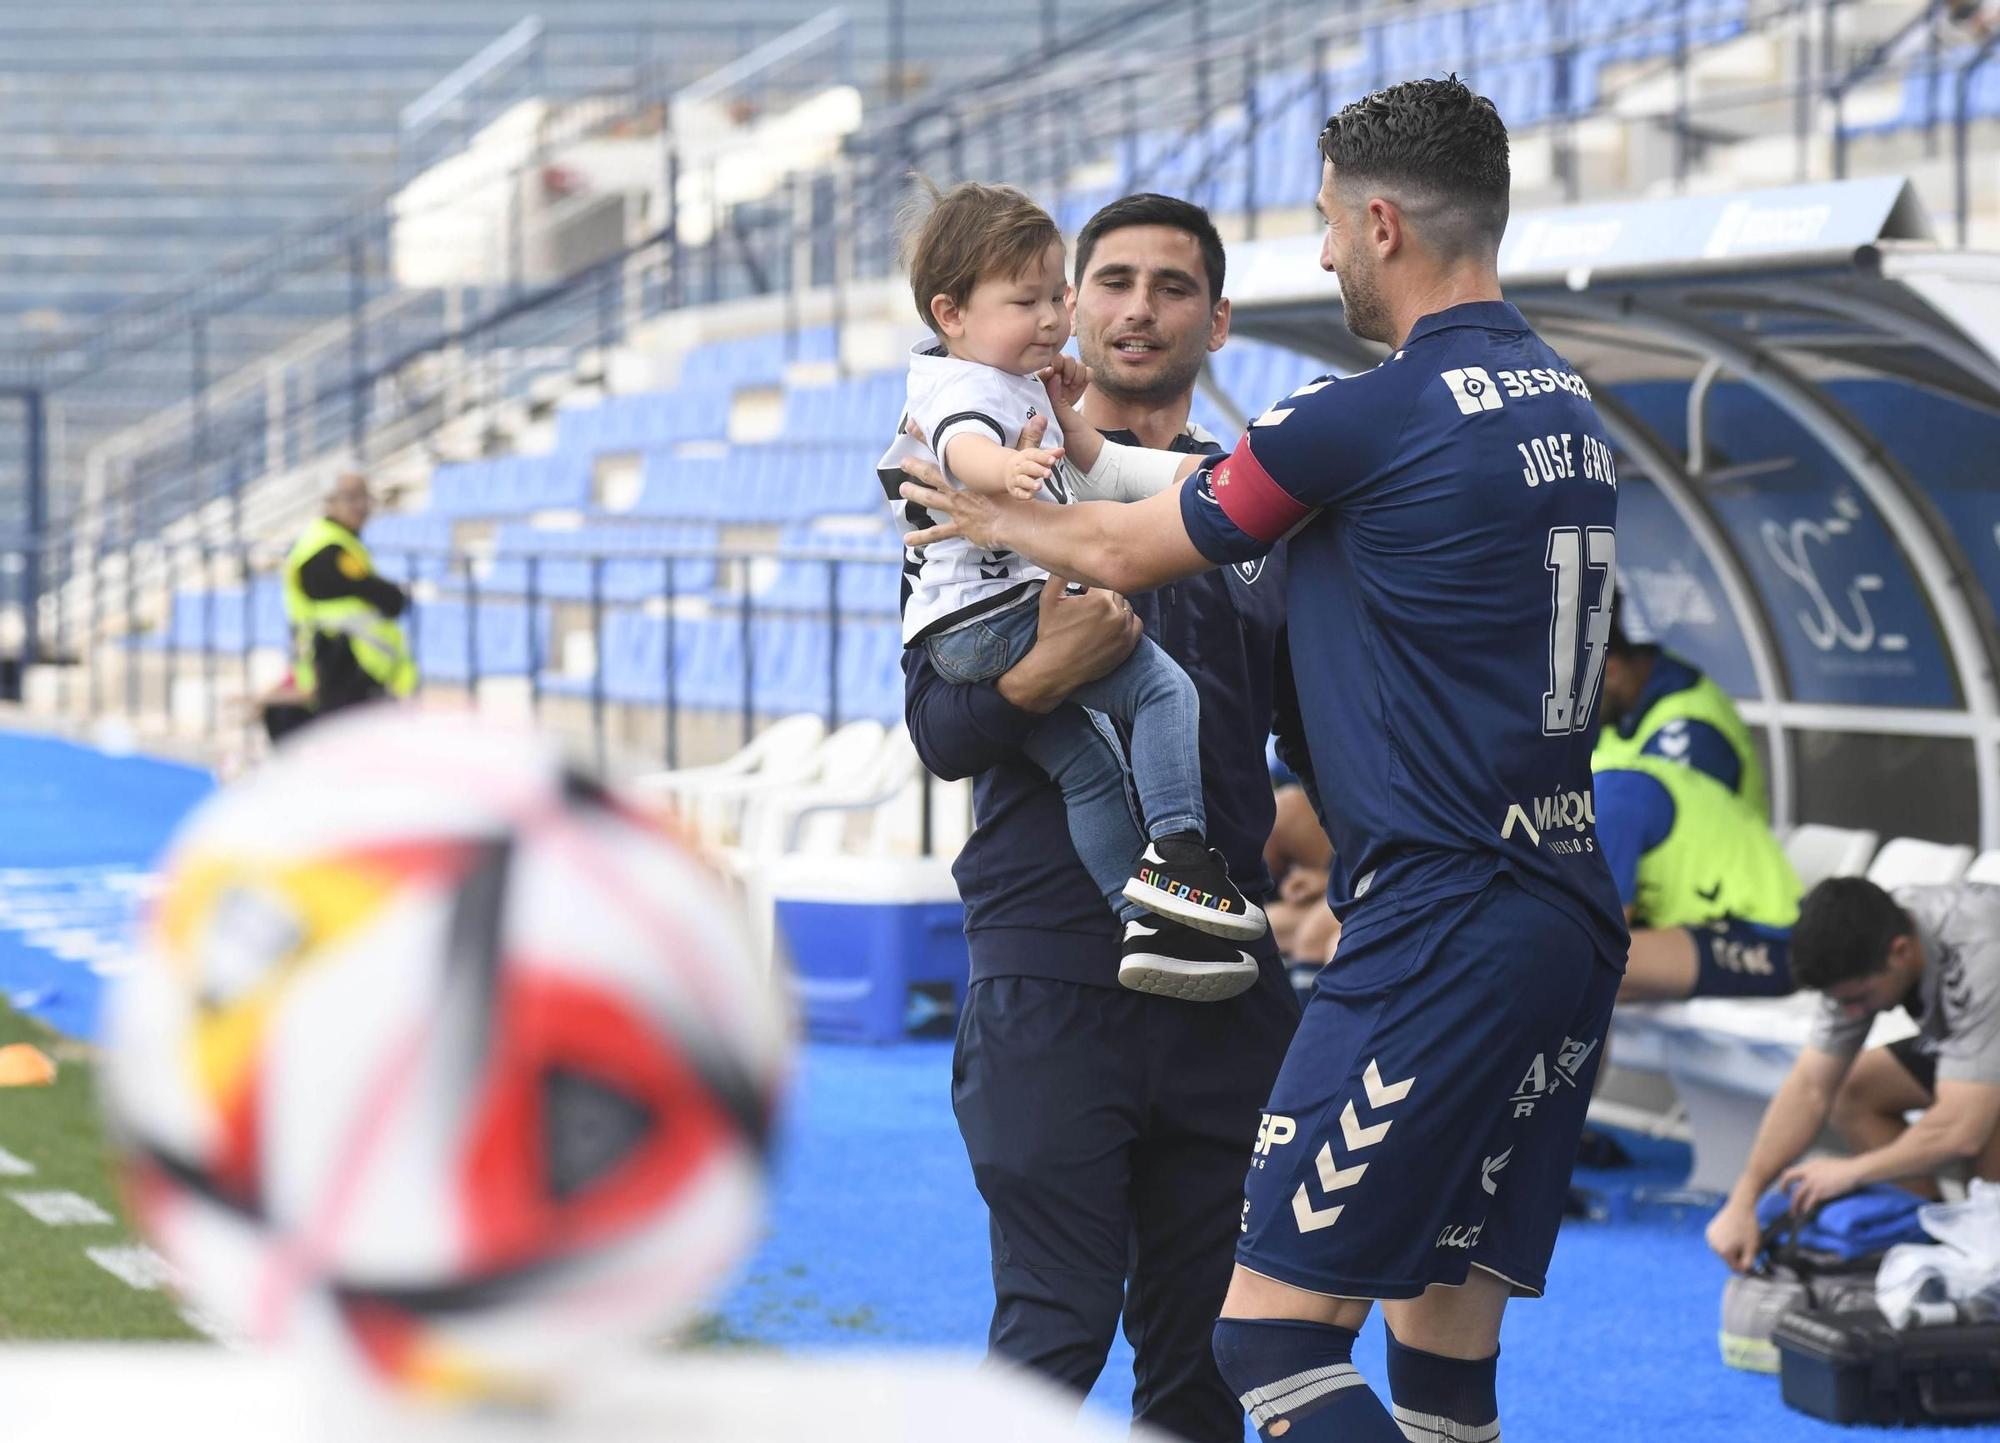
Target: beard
(1174, 379)
(1361, 300)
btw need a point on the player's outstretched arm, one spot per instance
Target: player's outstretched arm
(1126, 548)
(1794, 1118)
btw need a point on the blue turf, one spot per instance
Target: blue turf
(878, 1239)
(78, 822)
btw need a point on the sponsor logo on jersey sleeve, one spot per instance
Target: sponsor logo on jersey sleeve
(1473, 389)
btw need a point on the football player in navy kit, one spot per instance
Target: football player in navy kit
(1450, 584)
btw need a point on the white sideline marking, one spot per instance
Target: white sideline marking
(61, 1209)
(136, 1267)
(144, 1270)
(83, 916)
(12, 1166)
(202, 1323)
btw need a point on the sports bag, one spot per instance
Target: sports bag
(1786, 1277)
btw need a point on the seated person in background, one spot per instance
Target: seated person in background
(1707, 889)
(1934, 952)
(1657, 705)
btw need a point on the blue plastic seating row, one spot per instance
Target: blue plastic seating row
(1930, 95)
(763, 483)
(511, 485)
(441, 632)
(1524, 77)
(696, 410)
(214, 620)
(756, 360)
(629, 561)
(869, 579)
(792, 663)
(411, 545)
(454, 641)
(863, 408)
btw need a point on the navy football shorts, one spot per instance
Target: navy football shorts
(1741, 959)
(1427, 1115)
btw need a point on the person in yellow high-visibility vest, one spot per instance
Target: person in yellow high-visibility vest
(1660, 705)
(1708, 892)
(347, 646)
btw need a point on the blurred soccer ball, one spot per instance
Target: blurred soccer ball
(438, 1053)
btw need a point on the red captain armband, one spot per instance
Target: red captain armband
(1257, 505)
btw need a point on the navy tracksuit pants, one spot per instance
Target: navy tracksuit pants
(1109, 1132)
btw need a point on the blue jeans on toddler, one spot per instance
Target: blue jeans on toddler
(1078, 748)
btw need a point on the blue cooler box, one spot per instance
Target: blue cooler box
(876, 945)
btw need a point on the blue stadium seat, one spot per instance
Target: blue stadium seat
(697, 410)
(858, 409)
(768, 483)
(213, 620)
(870, 584)
(758, 360)
(792, 655)
(412, 545)
(511, 485)
(442, 633)
(629, 562)
(871, 672)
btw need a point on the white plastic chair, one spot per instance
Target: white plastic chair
(1818, 852)
(1912, 862)
(728, 810)
(787, 741)
(822, 816)
(1985, 868)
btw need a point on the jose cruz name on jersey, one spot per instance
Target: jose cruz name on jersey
(1564, 456)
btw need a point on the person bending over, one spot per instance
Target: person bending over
(1935, 953)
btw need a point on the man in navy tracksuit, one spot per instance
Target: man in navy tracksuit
(1108, 1129)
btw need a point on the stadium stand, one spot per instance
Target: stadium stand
(676, 507)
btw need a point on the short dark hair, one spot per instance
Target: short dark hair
(1626, 649)
(1845, 928)
(1150, 208)
(1442, 148)
(959, 237)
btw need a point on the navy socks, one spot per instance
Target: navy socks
(1297, 1382)
(1443, 1400)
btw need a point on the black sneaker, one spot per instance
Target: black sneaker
(1169, 960)
(1180, 878)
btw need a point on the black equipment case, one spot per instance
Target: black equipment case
(1852, 1367)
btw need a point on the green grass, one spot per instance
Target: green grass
(49, 1289)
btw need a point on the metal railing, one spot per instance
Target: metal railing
(198, 658)
(450, 113)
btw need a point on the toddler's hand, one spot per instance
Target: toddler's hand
(1065, 379)
(1026, 470)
